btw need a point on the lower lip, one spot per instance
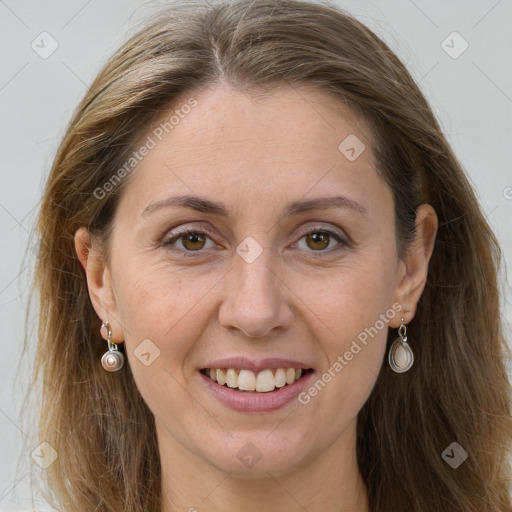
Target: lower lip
(256, 402)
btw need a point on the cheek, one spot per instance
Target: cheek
(155, 298)
(156, 309)
(352, 298)
(355, 312)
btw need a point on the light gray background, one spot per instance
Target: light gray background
(471, 95)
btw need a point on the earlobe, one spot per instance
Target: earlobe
(413, 278)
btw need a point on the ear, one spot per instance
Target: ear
(413, 269)
(99, 283)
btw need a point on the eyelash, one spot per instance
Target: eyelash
(199, 231)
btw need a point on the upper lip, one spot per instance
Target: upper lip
(243, 363)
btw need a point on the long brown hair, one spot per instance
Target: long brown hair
(458, 391)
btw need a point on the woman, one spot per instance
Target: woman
(265, 282)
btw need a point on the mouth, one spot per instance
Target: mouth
(256, 382)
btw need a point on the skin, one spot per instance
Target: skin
(301, 298)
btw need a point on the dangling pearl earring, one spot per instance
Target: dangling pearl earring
(401, 357)
(112, 360)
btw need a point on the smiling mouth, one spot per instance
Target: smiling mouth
(248, 381)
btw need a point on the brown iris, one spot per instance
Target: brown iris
(320, 240)
(190, 241)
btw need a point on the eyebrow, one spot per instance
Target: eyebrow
(204, 205)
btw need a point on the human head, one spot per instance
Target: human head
(188, 49)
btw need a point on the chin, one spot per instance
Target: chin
(253, 456)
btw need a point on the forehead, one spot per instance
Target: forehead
(255, 147)
(285, 116)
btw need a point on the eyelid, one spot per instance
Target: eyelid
(184, 229)
(177, 233)
(327, 229)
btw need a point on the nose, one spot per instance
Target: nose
(257, 300)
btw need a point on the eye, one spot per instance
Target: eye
(319, 239)
(191, 240)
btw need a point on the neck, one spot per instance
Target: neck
(330, 481)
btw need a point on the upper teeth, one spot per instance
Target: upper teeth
(247, 380)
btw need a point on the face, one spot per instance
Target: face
(251, 273)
